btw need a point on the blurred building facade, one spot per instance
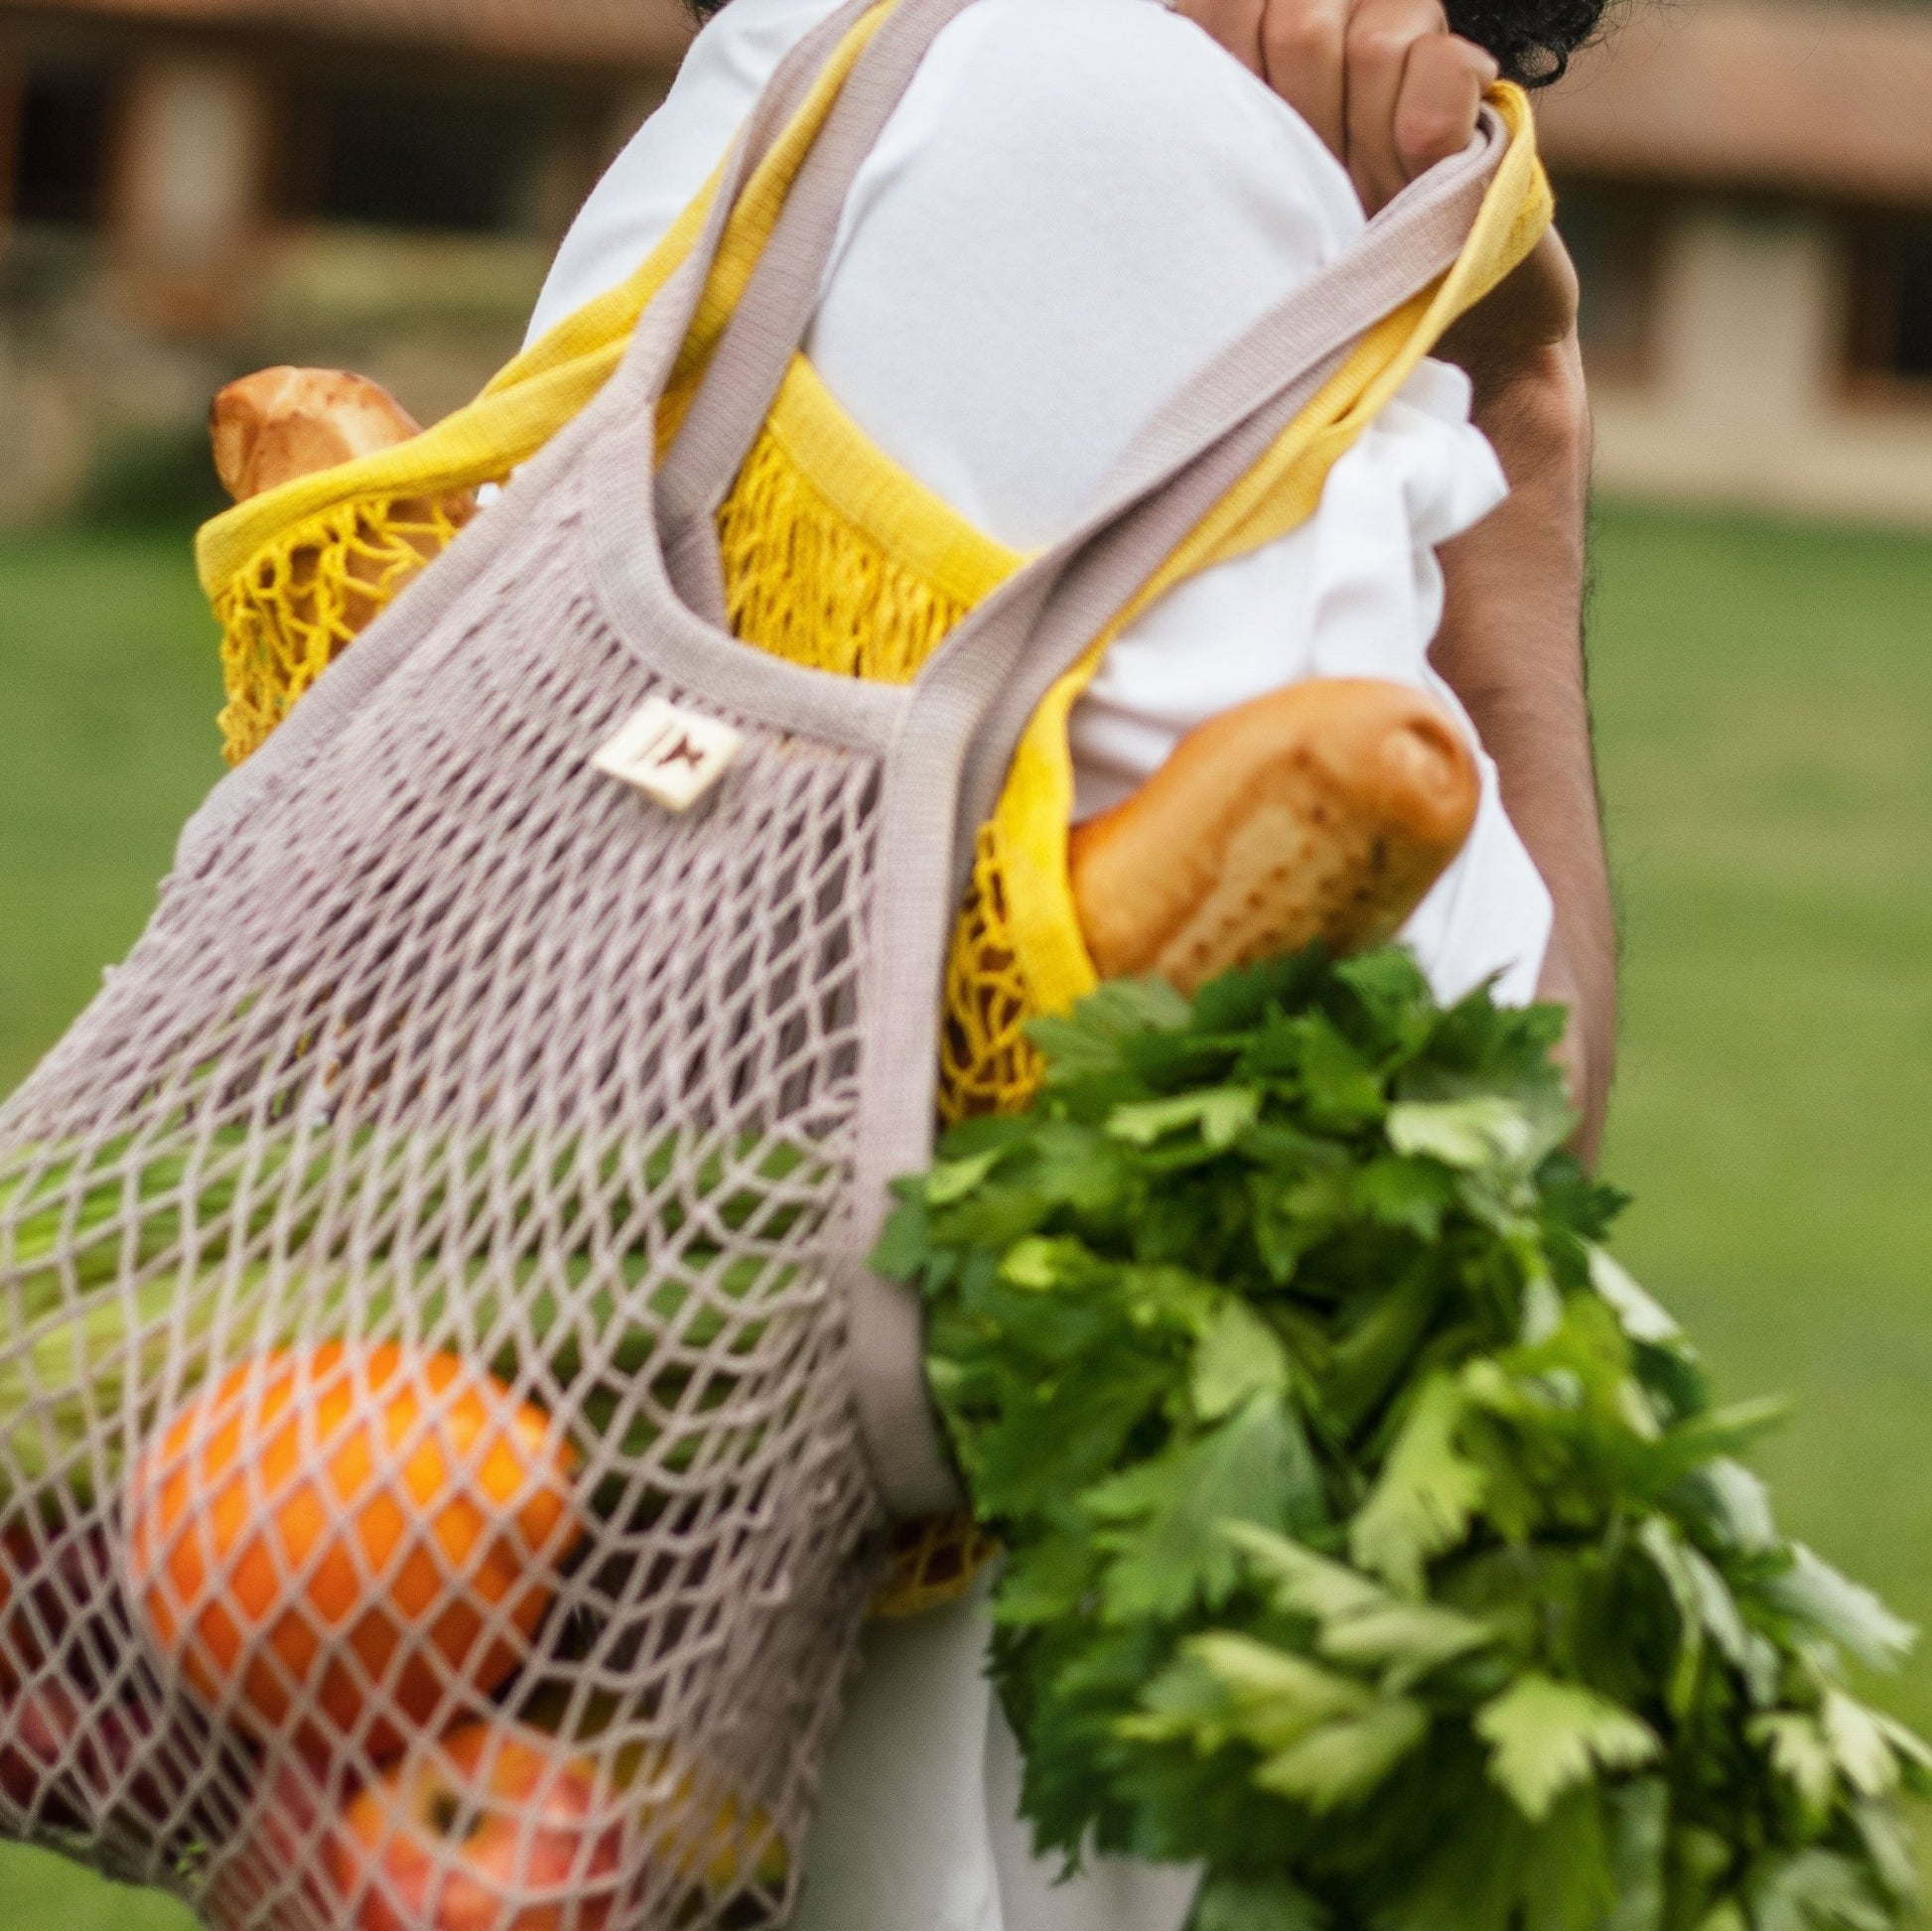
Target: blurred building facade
(1748, 186)
(193, 188)
(190, 189)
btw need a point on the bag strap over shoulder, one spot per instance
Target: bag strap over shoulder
(775, 310)
(1207, 438)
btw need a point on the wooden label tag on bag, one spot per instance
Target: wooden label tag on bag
(673, 756)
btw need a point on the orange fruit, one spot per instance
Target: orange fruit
(345, 1540)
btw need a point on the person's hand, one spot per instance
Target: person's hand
(1391, 91)
(1384, 83)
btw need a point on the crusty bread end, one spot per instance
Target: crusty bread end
(1323, 811)
(282, 423)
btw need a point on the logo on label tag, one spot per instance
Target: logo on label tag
(673, 757)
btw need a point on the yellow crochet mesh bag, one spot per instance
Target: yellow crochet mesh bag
(281, 569)
(833, 558)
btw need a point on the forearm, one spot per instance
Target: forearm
(1511, 646)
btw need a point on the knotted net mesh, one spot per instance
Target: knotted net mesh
(804, 581)
(428, 1468)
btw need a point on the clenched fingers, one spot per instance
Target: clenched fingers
(1236, 24)
(1305, 59)
(1384, 83)
(1442, 97)
(1383, 36)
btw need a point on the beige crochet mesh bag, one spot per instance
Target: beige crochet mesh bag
(447, 1426)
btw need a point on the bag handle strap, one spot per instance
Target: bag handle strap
(1195, 450)
(781, 295)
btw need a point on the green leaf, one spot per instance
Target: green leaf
(1469, 1134)
(1690, 1447)
(1406, 1641)
(1256, 1904)
(1162, 1522)
(1908, 1744)
(1799, 1754)
(1221, 1115)
(1639, 1835)
(1567, 1880)
(1340, 1763)
(1368, 1359)
(1339, 1088)
(1428, 1494)
(1643, 1318)
(1741, 1505)
(1238, 1357)
(1302, 1583)
(1859, 1745)
(1815, 1890)
(1887, 1840)
(1706, 1606)
(1547, 1737)
(1413, 1196)
(1360, 1622)
(1326, 1742)
(1268, 1697)
(1844, 1611)
(1042, 1265)
(904, 1242)
(1087, 1041)
(953, 1180)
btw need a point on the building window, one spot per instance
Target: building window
(1890, 335)
(415, 158)
(60, 172)
(1613, 233)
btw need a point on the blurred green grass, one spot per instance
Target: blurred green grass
(1764, 702)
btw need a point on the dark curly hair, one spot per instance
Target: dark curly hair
(1533, 39)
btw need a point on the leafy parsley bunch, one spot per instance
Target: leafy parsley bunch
(1373, 1539)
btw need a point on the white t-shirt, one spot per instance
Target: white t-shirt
(1076, 205)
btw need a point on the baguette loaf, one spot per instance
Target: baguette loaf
(281, 424)
(1323, 811)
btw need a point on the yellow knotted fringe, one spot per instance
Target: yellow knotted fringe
(303, 600)
(933, 1563)
(987, 1065)
(805, 585)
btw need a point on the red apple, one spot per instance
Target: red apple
(72, 1763)
(60, 1601)
(277, 1878)
(496, 1828)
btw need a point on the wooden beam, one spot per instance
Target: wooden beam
(634, 36)
(13, 101)
(1822, 100)
(186, 195)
